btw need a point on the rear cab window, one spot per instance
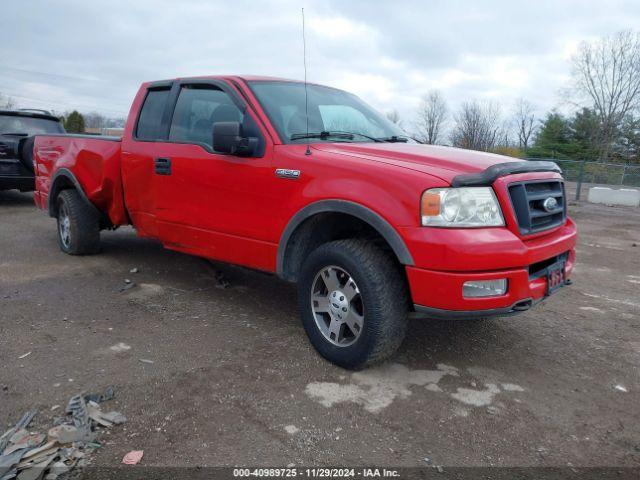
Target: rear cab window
(150, 126)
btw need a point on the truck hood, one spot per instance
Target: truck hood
(442, 162)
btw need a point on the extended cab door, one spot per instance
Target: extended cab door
(208, 203)
(141, 146)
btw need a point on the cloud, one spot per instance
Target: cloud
(93, 55)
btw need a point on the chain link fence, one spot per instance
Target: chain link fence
(585, 174)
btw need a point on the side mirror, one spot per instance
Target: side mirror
(227, 138)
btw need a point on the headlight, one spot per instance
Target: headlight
(460, 207)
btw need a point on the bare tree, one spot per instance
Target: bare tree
(505, 135)
(94, 120)
(524, 120)
(7, 103)
(432, 116)
(394, 117)
(477, 126)
(607, 72)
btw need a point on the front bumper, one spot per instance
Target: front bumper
(469, 256)
(437, 313)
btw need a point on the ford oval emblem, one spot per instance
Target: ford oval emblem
(550, 204)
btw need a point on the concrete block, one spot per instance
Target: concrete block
(627, 197)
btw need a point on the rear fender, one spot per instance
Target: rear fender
(64, 179)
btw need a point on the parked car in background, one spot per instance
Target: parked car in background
(17, 130)
(311, 183)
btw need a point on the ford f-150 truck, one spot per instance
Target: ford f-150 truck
(322, 190)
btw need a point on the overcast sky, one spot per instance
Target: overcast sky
(92, 55)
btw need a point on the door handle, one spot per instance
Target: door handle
(162, 166)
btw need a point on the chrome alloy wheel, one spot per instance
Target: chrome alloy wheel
(337, 306)
(64, 225)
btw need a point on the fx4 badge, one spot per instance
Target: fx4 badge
(286, 173)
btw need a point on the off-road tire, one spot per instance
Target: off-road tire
(83, 224)
(384, 296)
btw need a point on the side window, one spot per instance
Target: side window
(150, 120)
(197, 109)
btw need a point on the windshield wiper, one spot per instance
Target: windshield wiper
(16, 134)
(334, 133)
(394, 139)
(359, 134)
(321, 135)
(348, 136)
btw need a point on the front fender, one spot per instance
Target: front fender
(361, 212)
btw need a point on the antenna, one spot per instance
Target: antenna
(306, 96)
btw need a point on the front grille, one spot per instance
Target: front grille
(528, 199)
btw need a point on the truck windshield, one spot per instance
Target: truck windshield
(334, 115)
(28, 125)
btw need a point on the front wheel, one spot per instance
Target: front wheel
(354, 302)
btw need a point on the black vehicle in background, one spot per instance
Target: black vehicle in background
(17, 130)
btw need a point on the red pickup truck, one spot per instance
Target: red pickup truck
(317, 187)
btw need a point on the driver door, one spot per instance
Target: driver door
(209, 203)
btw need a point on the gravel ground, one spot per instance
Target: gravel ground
(233, 380)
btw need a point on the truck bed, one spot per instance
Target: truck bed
(94, 161)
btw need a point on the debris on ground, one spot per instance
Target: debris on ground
(127, 286)
(143, 292)
(291, 429)
(146, 360)
(133, 457)
(120, 347)
(24, 356)
(621, 388)
(221, 280)
(107, 395)
(133, 270)
(27, 455)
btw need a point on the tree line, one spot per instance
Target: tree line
(605, 124)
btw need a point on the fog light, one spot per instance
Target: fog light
(484, 288)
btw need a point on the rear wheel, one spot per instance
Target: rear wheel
(78, 225)
(354, 302)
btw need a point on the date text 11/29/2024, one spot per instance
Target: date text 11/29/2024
(316, 472)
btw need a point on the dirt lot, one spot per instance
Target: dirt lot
(234, 381)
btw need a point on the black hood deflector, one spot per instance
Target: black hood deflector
(488, 176)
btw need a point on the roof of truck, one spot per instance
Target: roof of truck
(245, 78)
(262, 78)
